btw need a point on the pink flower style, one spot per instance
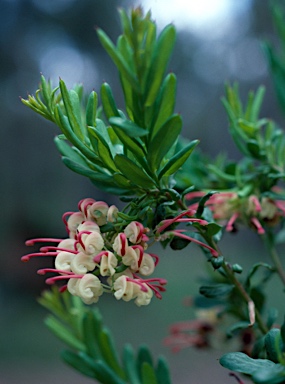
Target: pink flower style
(183, 217)
(229, 208)
(87, 254)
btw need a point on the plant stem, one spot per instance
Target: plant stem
(230, 274)
(274, 257)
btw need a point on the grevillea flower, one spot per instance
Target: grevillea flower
(252, 210)
(88, 288)
(98, 212)
(134, 232)
(183, 217)
(83, 260)
(187, 334)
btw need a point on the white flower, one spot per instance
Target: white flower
(134, 232)
(112, 213)
(89, 226)
(108, 264)
(73, 222)
(143, 298)
(90, 243)
(67, 244)
(123, 289)
(88, 288)
(147, 265)
(98, 212)
(120, 244)
(82, 263)
(63, 261)
(131, 258)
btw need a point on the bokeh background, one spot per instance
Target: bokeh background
(218, 41)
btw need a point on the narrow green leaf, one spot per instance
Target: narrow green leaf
(78, 168)
(130, 128)
(109, 352)
(258, 99)
(166, 103)
(117, 59)
(130, 365)
(63, 123)
(72, 107)
(91, 109)
(108, 102)
(61, 332)
(162, 371)
(91, 332)
(164, 140)
(217, 290)
(77, 362)
(178, 160)
(132, 144)
(148, 374)
(161, 56)
(133, 172)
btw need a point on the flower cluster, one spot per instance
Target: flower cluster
(97, 258)
(253, 210)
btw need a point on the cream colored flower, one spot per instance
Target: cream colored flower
(98, 212)
(108, 264)
(90, 288)
(147, 265)
(134, 232)
(82, 263)
(63, 261)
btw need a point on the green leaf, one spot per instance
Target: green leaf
(78, 168)
(91, 109)
(177, 243)
(109, 353)
(148, 374)
(91, 330)
(240, 362)
(77, 362)
(130, 365)
(162, 52)
(202, 203)
(165, 104)
(63, 123)
(118, 59)
(253, 271)
(177, 160)
(108, 102)
(164, 140)
(129, 128)
(270, 375)
(273, 344)
(66, 150)
(61, 331)
(133, 172)
(241, 325)
(217, 290)
(72, 107)
(162, 371)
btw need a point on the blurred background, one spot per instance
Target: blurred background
(218, 41)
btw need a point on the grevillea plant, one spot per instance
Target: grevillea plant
(173, 197)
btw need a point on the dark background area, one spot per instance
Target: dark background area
(58, 38)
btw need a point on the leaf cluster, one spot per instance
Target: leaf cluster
(92, 350)
(130, 151)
